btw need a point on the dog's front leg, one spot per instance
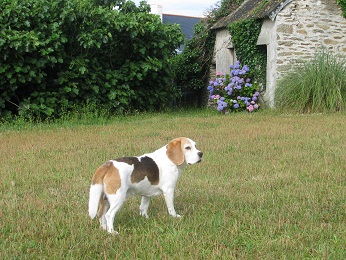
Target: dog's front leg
(169, 198)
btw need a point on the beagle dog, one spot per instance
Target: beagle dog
(148, 175)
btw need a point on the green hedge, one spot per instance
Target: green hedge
(59, 54)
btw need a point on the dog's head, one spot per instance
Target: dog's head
(183, 150)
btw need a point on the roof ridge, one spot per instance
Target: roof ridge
(180, 15)
(253, 9)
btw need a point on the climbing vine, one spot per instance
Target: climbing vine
(244, 38)
(342, 4)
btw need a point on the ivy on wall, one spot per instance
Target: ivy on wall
(244, 38)
(342, 4)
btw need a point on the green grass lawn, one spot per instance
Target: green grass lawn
(271, 186)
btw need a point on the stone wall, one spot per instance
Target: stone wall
(223, 51)
(303, 27)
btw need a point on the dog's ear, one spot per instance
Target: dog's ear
(175, 152)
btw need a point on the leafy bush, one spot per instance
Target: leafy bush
(59, 54)
(318, 85)
(234, 92)
(342, 4)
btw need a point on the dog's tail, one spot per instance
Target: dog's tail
(96, 191)
(96, 188)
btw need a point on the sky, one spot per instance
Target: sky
(183, 7)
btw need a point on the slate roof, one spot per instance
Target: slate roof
(256, 9)
(187, 24)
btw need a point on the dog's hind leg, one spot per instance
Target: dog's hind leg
(104, 206)
(143, 208)
(115, 203)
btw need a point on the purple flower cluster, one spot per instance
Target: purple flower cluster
(221, 104)
(238, 70)
(234, 92)
(216, 85)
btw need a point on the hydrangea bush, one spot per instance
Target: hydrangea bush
(234, 92)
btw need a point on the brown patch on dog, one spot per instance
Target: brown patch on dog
(143, 167)
(100, 173)
(175, 150)
(112, 180)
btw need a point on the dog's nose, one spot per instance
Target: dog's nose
(200, 154)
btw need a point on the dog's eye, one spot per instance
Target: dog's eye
(188, 148)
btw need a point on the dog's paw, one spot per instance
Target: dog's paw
(144, 214)
(175, 215)
(103, 224)
(112, 231)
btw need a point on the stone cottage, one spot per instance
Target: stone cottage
(292, 31)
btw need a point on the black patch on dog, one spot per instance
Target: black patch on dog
(145, 167)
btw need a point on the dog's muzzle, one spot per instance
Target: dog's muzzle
(200, 154)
